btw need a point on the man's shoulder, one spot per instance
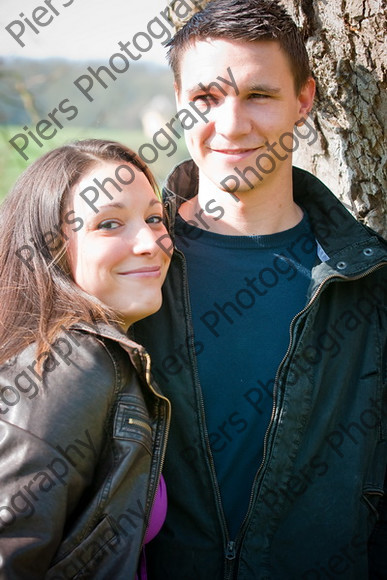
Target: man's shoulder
(332, 220)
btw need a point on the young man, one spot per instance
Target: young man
(270, 340)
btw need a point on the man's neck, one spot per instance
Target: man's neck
(268, 209)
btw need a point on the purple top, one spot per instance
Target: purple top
(156, 520)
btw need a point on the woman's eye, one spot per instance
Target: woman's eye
(154, 219)
(108, 225)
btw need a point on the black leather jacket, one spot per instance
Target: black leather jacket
(82, 450)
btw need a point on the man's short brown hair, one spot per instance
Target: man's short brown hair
(249, 20)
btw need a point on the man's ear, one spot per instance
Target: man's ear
(306, 97)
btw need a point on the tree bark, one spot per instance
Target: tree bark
(344, 39)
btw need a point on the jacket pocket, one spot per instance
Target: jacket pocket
(372, 499)
(88, 556)
(132, 422)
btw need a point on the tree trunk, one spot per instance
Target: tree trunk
(344, 39)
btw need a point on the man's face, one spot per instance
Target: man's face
(264, 110)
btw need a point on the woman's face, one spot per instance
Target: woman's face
(113, 250)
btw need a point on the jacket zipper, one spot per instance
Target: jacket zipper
(140, 423)
(230, 546)
(147, 368)
(164, 437)
(230, 549)
(275, 388)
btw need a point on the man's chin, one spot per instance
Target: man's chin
(237, 187)
(231, 182)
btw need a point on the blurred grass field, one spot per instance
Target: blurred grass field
(12, 163)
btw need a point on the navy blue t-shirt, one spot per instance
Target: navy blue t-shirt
(244, 292)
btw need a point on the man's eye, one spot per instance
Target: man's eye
(108, 225)
(208, 99)
(259, 96)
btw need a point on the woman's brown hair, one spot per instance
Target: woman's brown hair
(38, 297)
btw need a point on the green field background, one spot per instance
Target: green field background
(12, 163)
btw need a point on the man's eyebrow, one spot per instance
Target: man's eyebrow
(200, 87)
(264, 89)
(257, 88)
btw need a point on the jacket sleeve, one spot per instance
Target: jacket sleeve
(51, 436)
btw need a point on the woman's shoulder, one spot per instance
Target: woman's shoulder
(72, 350)
(82, 370)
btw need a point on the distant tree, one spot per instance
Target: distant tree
(15, 97)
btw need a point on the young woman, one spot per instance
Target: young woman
(83, 427)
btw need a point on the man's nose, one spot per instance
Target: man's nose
(232, 119)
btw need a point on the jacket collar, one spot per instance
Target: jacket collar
(111, 331)
(346, 246)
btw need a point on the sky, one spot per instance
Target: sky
(83, 30)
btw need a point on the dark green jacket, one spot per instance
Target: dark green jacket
(318, 494)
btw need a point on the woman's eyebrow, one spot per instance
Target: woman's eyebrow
(154, 202)
(115, 204)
